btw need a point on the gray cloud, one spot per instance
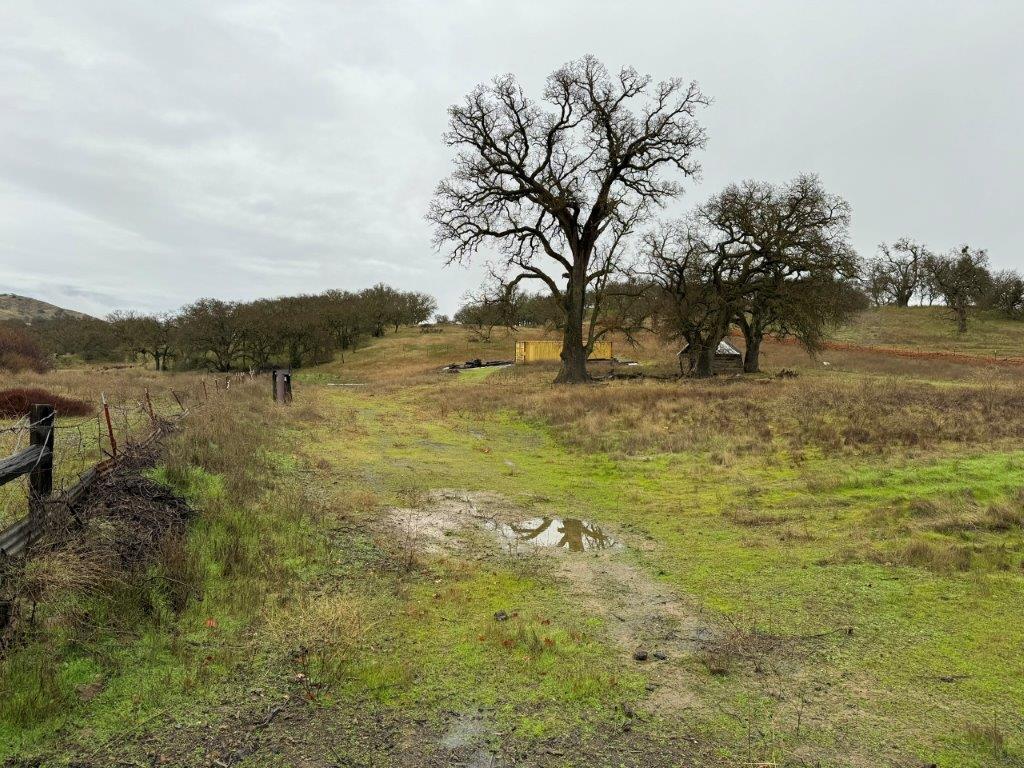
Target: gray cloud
(152, 153)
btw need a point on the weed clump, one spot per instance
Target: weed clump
(938, 556)
(323, 637)
(988, 737)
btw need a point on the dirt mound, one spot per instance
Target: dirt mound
(15, 403)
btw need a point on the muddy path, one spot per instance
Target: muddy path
(680, 646)
(651, 625)
(675, 644)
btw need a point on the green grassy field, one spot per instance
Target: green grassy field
(933, 329)
(830, 564)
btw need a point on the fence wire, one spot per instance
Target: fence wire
(81, 442)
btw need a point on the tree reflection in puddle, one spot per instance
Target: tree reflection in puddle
(568, 533)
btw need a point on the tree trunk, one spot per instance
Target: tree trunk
(752, 336)
(961, 319)
(705, 367)
(574, 357)
(574, 351)
(752, 355)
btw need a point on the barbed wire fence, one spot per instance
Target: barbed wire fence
(84, 447)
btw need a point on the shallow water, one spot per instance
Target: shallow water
(568, 533)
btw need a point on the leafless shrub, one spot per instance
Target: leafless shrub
(406, 542)
(19, 351)
(740, 640)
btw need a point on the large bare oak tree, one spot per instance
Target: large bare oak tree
(558, 186)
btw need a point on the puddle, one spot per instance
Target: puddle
(465, 743)
(557, 533)
(465, 731)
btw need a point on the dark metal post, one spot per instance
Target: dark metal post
(273, 383)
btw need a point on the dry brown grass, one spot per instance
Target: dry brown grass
(224, 438)
(322, 633)
(988, 736)
(861, 401)
(757, 518)
(120, 385)
(935, 555)
(944, 535)
(755, 414)
(964, 514)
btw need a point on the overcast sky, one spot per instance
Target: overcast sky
(154, 152)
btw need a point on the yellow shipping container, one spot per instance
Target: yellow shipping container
(539, 351)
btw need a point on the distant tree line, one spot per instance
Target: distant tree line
(907, 272)
(484, 311)
(225, 335)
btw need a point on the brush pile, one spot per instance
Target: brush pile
(125, 535)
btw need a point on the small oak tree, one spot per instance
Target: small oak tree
(962, 279)
(765, 257)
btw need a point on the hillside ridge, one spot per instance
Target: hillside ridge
(26, 309)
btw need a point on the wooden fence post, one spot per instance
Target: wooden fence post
(288, 386)
(149, 407)
(273, 383)
(40, 479)
(110, 427)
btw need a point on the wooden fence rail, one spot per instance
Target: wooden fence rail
(36, 461)
(22, 463)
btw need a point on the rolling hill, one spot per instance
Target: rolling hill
(26, 309)
(931, 329)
